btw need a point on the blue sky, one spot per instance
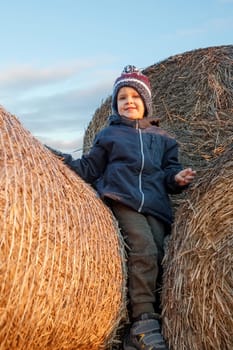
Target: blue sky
(59, 58)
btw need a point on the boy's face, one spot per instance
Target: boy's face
(130, 103)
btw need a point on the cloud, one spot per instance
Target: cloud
(206, 34)
(221, 23)
(56, 103)
(26, 77)
(189, 32)
(65, 107)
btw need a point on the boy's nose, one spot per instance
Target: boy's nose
(129, 99)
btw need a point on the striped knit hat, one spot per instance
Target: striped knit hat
(133, 77)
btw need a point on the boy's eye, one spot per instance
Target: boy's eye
(122, 97)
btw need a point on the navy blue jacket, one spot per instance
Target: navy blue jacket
(133, 162)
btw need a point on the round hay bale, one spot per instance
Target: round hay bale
(197, 296)
(62, 269)
(193, 94)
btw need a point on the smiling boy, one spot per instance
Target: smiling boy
(134, 166)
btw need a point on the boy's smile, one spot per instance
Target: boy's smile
(130, 103)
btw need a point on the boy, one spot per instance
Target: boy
(134, 165)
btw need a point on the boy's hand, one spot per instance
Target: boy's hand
(54, 151)
(185, 177)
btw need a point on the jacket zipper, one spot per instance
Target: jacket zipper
(142, 166)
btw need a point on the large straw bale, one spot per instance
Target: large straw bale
(61, 255)
(197, 295)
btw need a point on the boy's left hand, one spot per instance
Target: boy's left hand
(185, 177)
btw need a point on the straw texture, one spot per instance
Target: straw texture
(197, 296)
(62, 274)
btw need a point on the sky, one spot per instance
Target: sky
(60, 58)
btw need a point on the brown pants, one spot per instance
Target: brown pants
(144, 237)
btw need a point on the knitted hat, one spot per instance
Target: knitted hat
(133, 77)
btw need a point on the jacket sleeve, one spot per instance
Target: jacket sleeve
(89, 167)
(171, 167)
